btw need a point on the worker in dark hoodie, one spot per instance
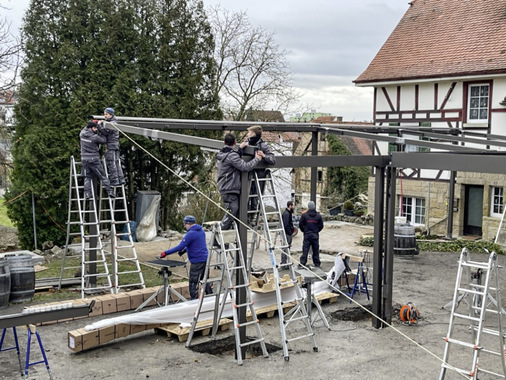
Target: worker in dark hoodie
(230, 166)
(111, 133)
(194, 244)
(311, 223)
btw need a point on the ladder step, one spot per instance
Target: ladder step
(302, 336)
(471, 291)
(475, 264)
(248, 343)
(461, 343)
(128, 272)
(99, 275)
(468, 317)
(241, 286)
(247, 324)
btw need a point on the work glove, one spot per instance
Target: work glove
(182, 252)
(163, 254)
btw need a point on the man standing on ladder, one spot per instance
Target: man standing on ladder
(194, 243)
(288, 226)
(254, 139)
(112, 154)
(311, 223)
(90, 158)
(230, 166)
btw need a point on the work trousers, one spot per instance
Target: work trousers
(114, 167)
(197, 271)
(313, 242)
(93, 169)
(231, 204)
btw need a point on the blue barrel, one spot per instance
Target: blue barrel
(5, 283)
(22, 278)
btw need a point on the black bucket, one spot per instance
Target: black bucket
(22, 278)
(5, 283)
(405, 240)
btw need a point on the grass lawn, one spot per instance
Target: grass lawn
(4, 219)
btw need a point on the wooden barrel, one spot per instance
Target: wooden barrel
(405, 240)
(22, 278)
(5, 283)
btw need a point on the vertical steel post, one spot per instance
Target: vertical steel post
(314, 171)
(451, 198)
(379, 207)
(243, 235)
(389, 245)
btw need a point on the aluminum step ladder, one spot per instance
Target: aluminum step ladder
(126, 269)
(229, 246)
(90, 264)
(484, 306)
(272, 225)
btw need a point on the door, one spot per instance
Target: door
(473, 213)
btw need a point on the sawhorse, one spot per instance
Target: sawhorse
(31, 330)
(359, 284)
(308, 278)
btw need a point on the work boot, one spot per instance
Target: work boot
(111, 194)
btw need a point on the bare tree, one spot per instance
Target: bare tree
(10, 57)
(253, 72)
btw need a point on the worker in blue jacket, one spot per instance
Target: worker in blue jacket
(194, 243)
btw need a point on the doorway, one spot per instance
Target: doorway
(473, 212)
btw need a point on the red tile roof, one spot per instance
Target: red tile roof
(443, 38)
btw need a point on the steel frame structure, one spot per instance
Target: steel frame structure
(453, 156)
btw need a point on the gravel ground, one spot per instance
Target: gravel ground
(351, 349)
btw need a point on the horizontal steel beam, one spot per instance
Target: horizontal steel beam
(177, 137)
(22, 319)
(479, 163)
(328, 161)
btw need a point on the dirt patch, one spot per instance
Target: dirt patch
(226, 347)
(9, 240)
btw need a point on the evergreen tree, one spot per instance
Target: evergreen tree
(149, 58)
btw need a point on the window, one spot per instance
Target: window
(477, 107)
(320, 176)
(413, 209)
(496, 198)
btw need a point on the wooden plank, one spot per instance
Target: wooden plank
(204, 327)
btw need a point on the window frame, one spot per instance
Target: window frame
(416, 204)
(468, 102)
(500, 201)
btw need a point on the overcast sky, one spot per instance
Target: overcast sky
(330, 43)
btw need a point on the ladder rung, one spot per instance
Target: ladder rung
(475, 264)
(461, 343)
(240, 286)
(99, 275)
(460, 370)
(246, 324)
(471, 291)
(128, 272)
(302, 336)
(468, 317)
(250, 342)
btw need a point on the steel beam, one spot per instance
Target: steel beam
(22, 319)
(479, 163)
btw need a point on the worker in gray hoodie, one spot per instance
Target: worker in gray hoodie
(230, 166)
(111, 133)
(90, 159)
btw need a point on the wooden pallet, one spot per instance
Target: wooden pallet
(204, 327)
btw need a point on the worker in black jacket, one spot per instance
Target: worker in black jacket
(311, 223)
(288, 226)
(90, 159)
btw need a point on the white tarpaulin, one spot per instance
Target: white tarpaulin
(183, 312)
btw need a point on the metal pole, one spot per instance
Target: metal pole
(314, 170)
(451, 198)
(379, 204)
(34, 223)
(389, 245)
(427, 222)
(243, 236)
